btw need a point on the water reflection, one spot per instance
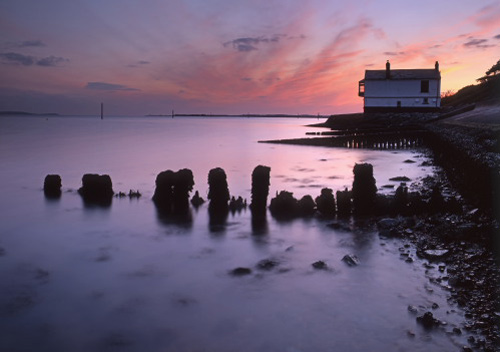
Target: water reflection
(181, 219)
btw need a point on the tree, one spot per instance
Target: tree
(494, 69)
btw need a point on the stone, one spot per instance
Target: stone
(435, 253)
(240, 271)
(428, 320)
(267, 264)
(350, 259)
(320, 265)
(387, 223)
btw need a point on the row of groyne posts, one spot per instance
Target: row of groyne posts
(172, 196)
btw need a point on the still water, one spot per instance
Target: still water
(75, 278)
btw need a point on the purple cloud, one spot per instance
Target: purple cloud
(17, 59)
(250, 43)
(477, 43)
(51, 61)
(108, 86)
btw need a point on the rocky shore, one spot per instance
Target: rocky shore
(461, 248)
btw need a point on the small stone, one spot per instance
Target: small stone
(409, 260)
(320, 265)
(457, 331)
(387, 223)
(267, 264)
(428, 320)
(436, 253)
(435, 306)
(241, 271)
(351, 260)
(412, 309)
(410, 333)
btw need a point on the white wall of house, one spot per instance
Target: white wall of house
(387, 93)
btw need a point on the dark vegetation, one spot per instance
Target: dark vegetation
(486, 92)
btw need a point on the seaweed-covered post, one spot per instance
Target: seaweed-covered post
(218, 194)
(163, 196)
(344, 202)
(97, 189)
(260, 189)
(364, 189)
(183, 184)
(284, 206)
(52, 186)
(325, 203)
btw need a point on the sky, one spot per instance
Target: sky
(230, 56)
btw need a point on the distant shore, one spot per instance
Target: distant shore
(24, 113)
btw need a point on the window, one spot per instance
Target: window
(361, 89)
(424, 86)
(426, 100)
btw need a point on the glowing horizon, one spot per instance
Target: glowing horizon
(216, 56)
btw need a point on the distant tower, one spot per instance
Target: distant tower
(436, 66)
(387, 70)
(102, 111)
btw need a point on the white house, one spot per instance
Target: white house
(401, 90)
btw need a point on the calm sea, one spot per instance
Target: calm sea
(77, 278)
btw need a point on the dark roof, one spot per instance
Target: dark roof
(403, 74)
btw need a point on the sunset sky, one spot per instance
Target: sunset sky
(230, 56)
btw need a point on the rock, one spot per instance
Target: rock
(400, 179)
(387, 224)
(96, 189)
(325, 203)
(267, 264)
(457, 331)
(428, 320)
(350, 260)
(412, 309)
(52, 186)
(364, 189)
(435, 305)
(260, 189)
(435, 253)
(240, 271)
(320, 265)
(409, 161)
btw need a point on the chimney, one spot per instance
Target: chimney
(436, 66)
(387, 70)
